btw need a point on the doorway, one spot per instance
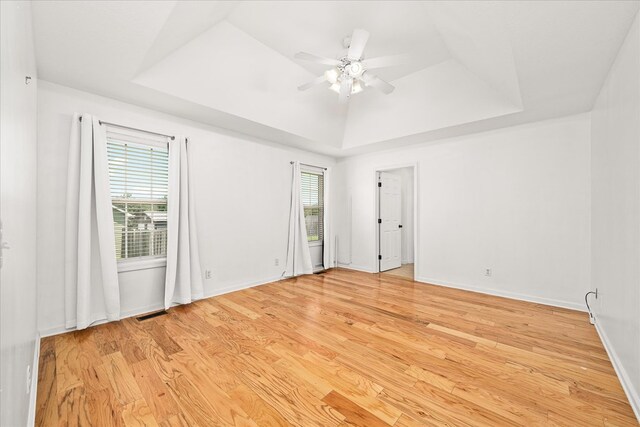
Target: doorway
(395, 213)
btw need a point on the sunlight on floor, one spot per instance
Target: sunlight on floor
(404, 271)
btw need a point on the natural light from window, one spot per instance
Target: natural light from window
(312, 187)
(138, 175)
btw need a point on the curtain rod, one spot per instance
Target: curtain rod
(130, 128)
(313, 166)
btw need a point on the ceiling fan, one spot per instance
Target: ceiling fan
(350, 73)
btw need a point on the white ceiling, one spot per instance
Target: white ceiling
(476, 65)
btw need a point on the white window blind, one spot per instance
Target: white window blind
(138, 174)
(312, 188)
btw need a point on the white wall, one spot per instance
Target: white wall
(516, 200)
(18, 210)
(242, 201)
(615, 184)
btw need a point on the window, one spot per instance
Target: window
(312, 187)
(138, 174)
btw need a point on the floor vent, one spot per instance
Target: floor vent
(151, 315)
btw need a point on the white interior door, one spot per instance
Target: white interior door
(390, 209)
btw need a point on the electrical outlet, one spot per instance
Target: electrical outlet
(276, 262)
(487, 272)
(28, 379)
(207, 274)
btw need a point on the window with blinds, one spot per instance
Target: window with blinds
(312, 188)
(138, 174)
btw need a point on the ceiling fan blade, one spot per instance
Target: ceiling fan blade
(345, 90)
(315, 58)
(314, 82)
(386, 61)
(359, 40)
(377, 82)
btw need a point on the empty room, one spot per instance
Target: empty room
(319, 213)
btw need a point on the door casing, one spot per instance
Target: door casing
(416, 210)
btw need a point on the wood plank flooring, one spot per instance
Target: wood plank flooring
(338, 349)
(405, 270)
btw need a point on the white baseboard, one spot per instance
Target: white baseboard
(362, 268)
(61, 329)
(504, 294)
(33, 392)
(160, 305)
(623, 376)
(242, 285)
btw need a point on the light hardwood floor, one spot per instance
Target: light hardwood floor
(405, 270)
(338, 349)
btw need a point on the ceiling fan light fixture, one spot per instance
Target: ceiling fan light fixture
(356, 87)
(332, 75)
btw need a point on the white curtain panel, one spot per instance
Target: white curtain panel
(328, 246)
(91, 272)
(298, 255)
(183, 282)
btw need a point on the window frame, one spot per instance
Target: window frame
(139, 138)
(319, 172)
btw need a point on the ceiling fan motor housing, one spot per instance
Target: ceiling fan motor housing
(355, 68)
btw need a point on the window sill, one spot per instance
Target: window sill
(141, 264)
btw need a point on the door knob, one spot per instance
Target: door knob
(399, 225)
